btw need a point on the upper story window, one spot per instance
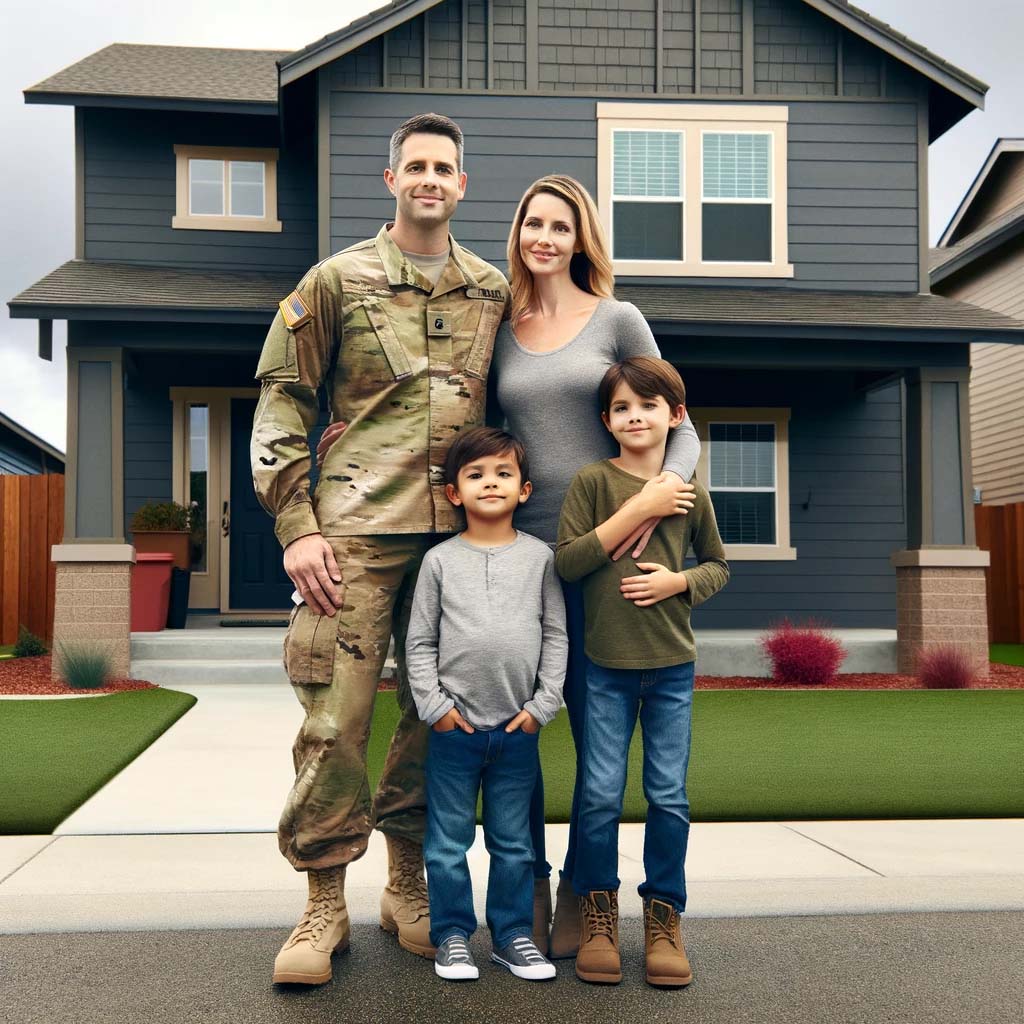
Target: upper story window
(694, 189)
(221, 189)
(744, 463)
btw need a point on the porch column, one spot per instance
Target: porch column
(940, 578)
(93, 596)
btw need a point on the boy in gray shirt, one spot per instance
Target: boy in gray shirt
(485, 655)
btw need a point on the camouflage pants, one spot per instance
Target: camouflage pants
(334, 664)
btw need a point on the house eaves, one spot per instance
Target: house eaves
(27, 435)
(167, 78)
(1000, 147)
(351, 37)
(949, 260)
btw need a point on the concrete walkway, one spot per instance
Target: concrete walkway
(183, 838)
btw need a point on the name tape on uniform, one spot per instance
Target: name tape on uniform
(494, 294)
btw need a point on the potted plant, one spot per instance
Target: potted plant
(163, 526)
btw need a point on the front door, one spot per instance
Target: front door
(257, 578)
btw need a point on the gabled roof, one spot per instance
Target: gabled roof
(16, 428)
(205, 78)
(83, 290)
(947, 260)
(1000, 147)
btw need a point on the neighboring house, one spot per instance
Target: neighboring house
(762, 170)
(24, 454)
(980, 259)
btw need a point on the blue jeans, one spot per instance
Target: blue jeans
(505, 765)
(663, 698)
(574, 692)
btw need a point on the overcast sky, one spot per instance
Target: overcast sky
(37, 169)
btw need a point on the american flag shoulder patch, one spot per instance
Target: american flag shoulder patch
(294, 311)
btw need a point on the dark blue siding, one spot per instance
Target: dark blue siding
(148, 422)
(852, 203)
(130, 193)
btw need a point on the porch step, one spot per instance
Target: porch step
(191, 672)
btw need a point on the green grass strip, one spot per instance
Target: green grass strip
(768, 755)
(1006, 654)
(57, 753)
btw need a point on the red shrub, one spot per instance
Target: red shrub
(945, 667)
(805, 654)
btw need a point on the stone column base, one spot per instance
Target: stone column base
(92, 609)
(940, 600)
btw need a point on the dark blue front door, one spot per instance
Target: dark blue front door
(257, 579)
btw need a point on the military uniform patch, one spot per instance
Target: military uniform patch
(494, 294)
(294, 311)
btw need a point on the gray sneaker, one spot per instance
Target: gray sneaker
(454, 961)
(522, 957)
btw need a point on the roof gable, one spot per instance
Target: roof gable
(960, 223)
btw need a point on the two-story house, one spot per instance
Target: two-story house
(762, 170)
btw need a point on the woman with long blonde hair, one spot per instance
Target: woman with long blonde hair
(564, 330)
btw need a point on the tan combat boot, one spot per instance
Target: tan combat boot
(565, 931)
(598, 956)
(541, 913)
(305, 959)
(667, 964)
(404, 906)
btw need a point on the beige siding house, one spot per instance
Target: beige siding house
(980, 259)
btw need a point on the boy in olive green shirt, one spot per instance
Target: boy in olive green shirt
(641, 661)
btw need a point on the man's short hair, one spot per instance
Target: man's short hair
(426, 124)
(648, 377)
(478, 443)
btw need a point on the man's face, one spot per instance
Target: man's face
(490, 487)
(427, 183)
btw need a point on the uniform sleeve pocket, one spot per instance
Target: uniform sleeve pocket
(310, 646)
(483, 344)
(278, 361)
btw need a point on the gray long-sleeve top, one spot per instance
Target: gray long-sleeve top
(487, 633)
(549, 400)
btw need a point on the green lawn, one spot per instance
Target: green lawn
(761, 755)
(1006, 654)
(57, 753)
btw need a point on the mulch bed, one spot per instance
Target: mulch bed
(31, 676)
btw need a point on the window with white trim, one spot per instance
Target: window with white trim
(694, 189)
(220, 189)
(744, 464)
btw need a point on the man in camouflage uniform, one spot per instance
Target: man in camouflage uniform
(400, 328)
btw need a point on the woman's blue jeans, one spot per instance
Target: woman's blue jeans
(575, 694)
(663, 699)
(505, 766)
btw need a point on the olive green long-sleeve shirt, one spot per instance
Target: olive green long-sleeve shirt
(618, 633)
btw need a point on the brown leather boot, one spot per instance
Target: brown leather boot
(305, 959)
(541, 913)
(404, 906)
(667, 963)
(565, 931)
(598, 956)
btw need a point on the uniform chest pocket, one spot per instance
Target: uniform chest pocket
(479, 358)
(369, 334)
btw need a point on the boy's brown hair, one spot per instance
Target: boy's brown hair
(480, 442)
(647, 376)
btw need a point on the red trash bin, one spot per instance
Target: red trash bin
(151, 591)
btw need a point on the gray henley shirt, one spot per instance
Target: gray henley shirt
(487, 633)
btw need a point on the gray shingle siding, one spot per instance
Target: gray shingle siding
(862, 68)
(362, 67)
(509, 34)
(445, 44)
(845, 458)
(794, 50)
(678, 45)
(476, 49)
(130, 193)
(405, 55)
(721, 53)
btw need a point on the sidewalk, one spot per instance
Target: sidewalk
(183, 838)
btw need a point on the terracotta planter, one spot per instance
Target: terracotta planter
(174, 541)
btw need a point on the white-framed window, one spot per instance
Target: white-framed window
(694, 190)
(221, 189)
(744, 464)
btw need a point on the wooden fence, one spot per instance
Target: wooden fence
(31, 520)
(1000, 530)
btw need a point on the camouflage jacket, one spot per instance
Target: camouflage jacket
(405, 367)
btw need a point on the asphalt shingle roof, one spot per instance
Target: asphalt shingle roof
(945, 254)
(81, 284)
(169, 72)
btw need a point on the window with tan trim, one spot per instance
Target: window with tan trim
(744, 464)
(222, 189)
(694, 189)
